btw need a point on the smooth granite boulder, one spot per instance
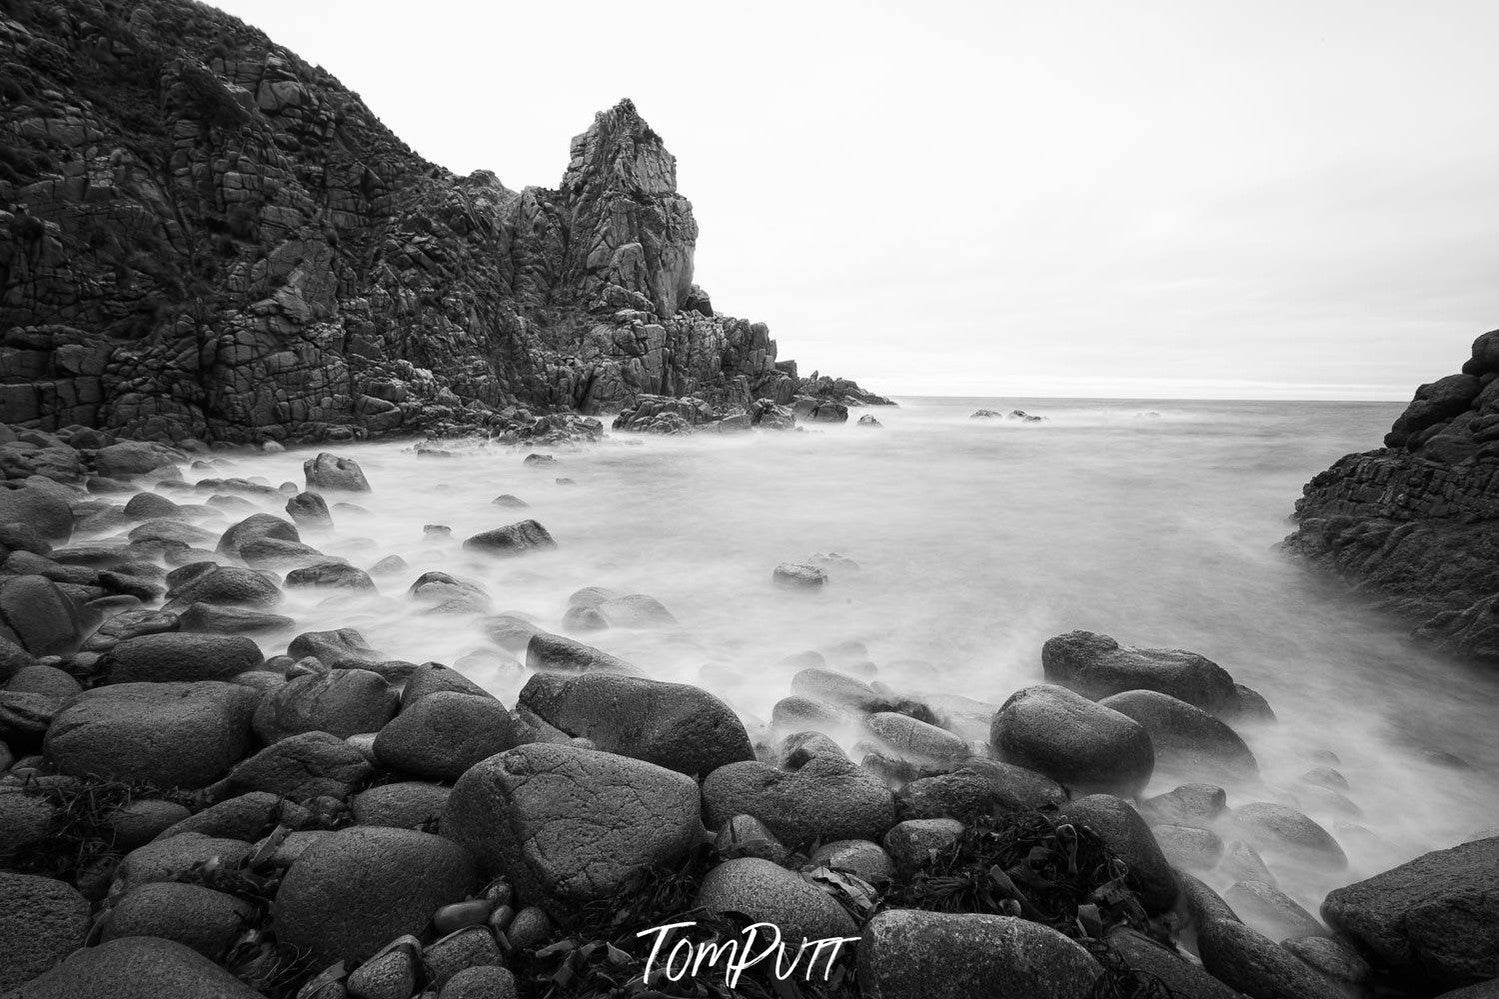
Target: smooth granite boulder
(1127, 835)
(673, 725)
(767, 892)
(330, 473)
(343, 702)
(42, 920)
(1073, 740)
(913, 954)
(353, 892)
(1185, 736)
(177, 656)
(137, 968)
(570, 824)
(167, 734)
(1096, 666)
(826, 798)
(441, 735)
(205, 920)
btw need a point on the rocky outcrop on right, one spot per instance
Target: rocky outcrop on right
(1416, 523)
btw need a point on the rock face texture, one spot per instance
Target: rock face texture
(203, 236)
(1416, 523)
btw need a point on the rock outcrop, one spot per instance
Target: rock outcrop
(1414, 523)
(202, 236)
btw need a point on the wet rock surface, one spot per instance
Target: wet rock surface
(1412, 523)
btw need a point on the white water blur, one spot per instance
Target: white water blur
(978, 539)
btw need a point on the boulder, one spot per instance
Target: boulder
(212, 619)
(244, 817)
(913, 954)
(1189, 847)
(167, 734)
(672, 725)
(571, 824)
(1198, 805)
(309, 510)
(330, 574)
(1145, 956)
(469, 947)
(42, 921)
(1271, 911)
(448, 594)
(172, 858)
(635, 610)
(137, 968)
(256, 527)
(546, 651)
(228, 585)
(1434, 920)
(798, 576)
(344, 647)
(205, 920)
(1130, 839)
(429, 678)
(913, 842)
(141, 820)
(330, 473)
(441, 735)
(1185, 736)
(299, 767)
(1335, 959)
(1279, 830)
(1245, 959)
(826, 798)
(43, 510)
(36, 615)
(129, 458)
(1059, 733)
(173, 656)
(402, 805)
(915, 741)
(344, 702)
(1096, 666)
(484, 982)
(980, 787)
(767, 892)
(513, 539)
(860, 857)
(351, 893)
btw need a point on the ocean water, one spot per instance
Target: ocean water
(976, 540)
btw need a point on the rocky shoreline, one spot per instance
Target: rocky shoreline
(1413, 523)
(203, 237)
(184, 816)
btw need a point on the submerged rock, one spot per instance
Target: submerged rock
(330, 473)
(1096, 666)
(795, 576)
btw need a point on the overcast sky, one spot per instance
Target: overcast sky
(1195, 199)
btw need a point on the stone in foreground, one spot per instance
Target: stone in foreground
(353, 892)
(912, 954)
(1433, 920)
(570, 824)
(137, 968)
(513, 539)
(768, 892)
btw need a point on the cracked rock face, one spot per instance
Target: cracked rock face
(203, 236)
(1413, 523)
(569, 825)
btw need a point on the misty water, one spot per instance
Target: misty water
(976, 540)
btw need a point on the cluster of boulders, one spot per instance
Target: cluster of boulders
(183, 815)
(667, 416)
(204, 236)
(1412, 523)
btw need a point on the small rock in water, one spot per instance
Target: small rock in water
(798, 576)
(513, 539)
(539, 459)
(505, 499)
(437, 530)
(328, 472)
(869, 421)
(309, 510)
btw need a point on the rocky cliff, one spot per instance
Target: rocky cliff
(1416, 523)
(202, 236)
